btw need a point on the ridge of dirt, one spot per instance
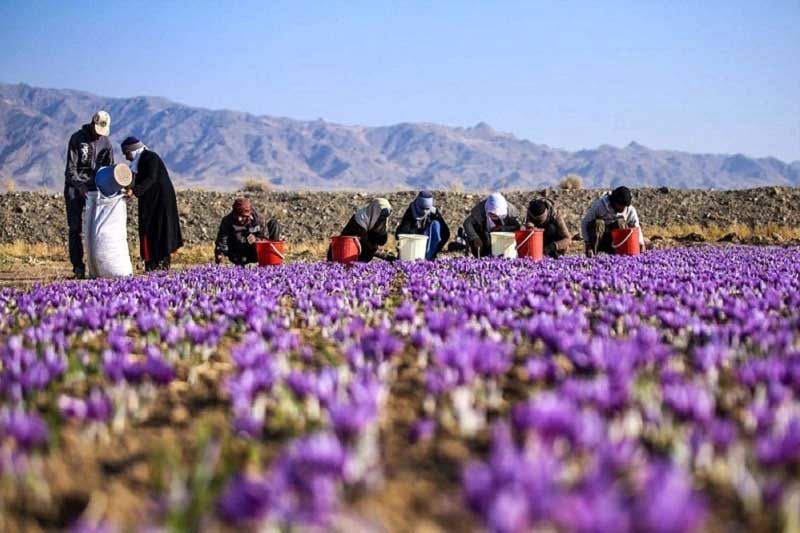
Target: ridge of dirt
(314, 216)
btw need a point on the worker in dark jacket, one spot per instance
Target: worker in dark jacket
(542, 214)
(239, 231)
(369, 225)
(422, 218)
(490, 215)
(88, 150)
(159, 224)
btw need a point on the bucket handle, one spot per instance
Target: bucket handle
(530, 234)
(615, 246)
(276, 250)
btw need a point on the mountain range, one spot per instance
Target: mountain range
(220, 149)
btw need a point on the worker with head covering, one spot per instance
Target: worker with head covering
(611, 211)
(369, 225)
(422, 218)
(542, 214)
(239, 231)
(159, 223)
(490, 215)
(88, 150)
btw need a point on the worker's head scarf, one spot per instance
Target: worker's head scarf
(495, 205)
(135, 147)
(422, 206)
(242, 207)
(367, 217)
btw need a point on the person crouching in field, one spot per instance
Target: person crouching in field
(369, 225)
(542, 214)
(239, 231)
(611, 211)
(159, 224)
(422, 218)
(490, 215)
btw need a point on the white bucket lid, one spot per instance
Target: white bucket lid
(412, 237)
(123, 175)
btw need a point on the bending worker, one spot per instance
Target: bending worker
(542, 214)
(611, 211)
(422, 218)
(490, 215)
(369, 225)
(238, 232)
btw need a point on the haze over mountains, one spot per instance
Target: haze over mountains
(220, 149)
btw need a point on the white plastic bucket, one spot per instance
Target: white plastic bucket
(504, 243)
(412, 246)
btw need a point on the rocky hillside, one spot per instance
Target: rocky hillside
(310, 216)
(218, 149)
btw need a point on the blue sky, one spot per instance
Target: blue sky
(705, 76)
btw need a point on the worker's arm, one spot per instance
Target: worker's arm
(633, 221)
(407, 224)
(106, 158)
(445, 229)
(562, 234)
(510, 223)
(71, 176)
(379, 234)
(221, 244)
(588, 217)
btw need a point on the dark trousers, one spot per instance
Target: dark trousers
(74, 204)
(600, 235)
(157, 264)
(243, 254)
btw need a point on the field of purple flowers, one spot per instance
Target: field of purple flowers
(653, 393)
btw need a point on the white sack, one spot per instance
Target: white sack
(105, 236)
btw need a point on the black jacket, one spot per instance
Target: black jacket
(86, 153)
(159, 224)
(409, 225)
(233, 237)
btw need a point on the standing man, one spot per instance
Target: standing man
(159, 224)
(542, 214)
(89, 149)
(611, 211)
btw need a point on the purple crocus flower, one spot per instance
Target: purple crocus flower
(26, 429)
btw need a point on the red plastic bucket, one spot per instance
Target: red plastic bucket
(625, 241)
(345, 249)
(530, 243)
(269, 252)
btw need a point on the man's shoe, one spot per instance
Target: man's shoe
(79, 274)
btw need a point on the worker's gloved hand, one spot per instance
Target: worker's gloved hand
(251, 239)
(550, 249)
(589, 250)
(128, 192)
(218, 259)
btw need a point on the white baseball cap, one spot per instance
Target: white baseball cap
(102, 123)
